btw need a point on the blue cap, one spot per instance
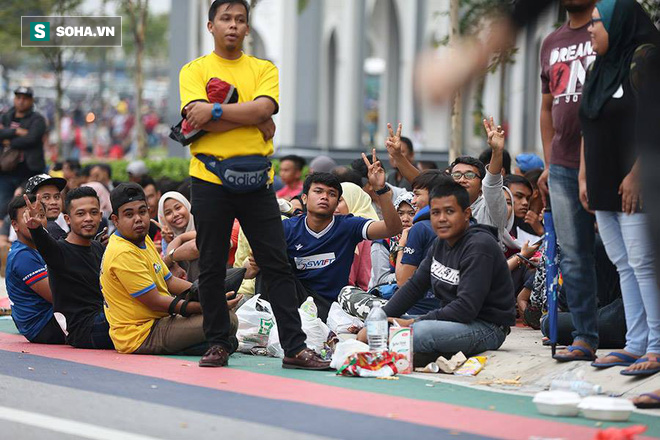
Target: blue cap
(527, 162)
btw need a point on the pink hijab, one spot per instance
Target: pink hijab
(104, 196)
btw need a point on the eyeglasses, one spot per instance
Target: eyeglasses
(593, 21)
(469, 175)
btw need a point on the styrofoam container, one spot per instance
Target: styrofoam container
(557, 403)
(611, 409)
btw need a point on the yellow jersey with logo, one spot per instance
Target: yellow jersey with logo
(128, 271)
(253, 78)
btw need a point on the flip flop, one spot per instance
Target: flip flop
(647, 372)
(649, 405)
(587, 355)
(626, 361)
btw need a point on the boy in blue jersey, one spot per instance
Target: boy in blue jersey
(27, 281)
(321, 245)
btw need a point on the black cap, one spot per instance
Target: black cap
(125, 193)
(35, 182)
(22, 90)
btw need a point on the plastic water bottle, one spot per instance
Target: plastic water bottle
(377, 331)
(582, 387)
(309, 310)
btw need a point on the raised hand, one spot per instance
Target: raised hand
(34, 212)
(495, 135)
(375, 171)
(393, 142)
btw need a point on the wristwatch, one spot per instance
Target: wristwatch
(216, 113)
(383, 190)
(171, 255)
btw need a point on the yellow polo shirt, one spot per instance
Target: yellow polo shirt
(128, 271)
(253, 78)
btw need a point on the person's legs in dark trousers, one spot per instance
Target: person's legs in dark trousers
(260, 219)
(575, 234)
(100, 334)
(213, 208)
(51, 334)
(8, 184)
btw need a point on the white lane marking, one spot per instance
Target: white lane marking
(65, 426)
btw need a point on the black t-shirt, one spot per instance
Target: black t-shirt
(55, 230)
(471, 280)
(610, 145)
(73, 274)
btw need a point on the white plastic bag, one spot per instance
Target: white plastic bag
(274, 347)
(255, 322)
(344, 349)
(339, 321)
(315, 329)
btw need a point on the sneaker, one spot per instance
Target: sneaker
(307, 359)
(216, 356)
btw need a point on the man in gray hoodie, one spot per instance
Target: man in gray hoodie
(485, 184)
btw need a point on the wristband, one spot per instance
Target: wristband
(182, 310)
(172, 308)
(216, 113)
(383, 190)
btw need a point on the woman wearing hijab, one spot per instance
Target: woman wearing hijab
(624, 39)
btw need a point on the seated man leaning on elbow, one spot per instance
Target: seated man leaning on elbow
(467, 272)
(138, 289)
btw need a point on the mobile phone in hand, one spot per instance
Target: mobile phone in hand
(99, 236)
(528, 261)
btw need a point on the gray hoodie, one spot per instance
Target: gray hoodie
(490, 207)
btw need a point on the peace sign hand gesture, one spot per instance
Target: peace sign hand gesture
(33, 213)
(393, 143)
(375, 171)
(495, 135)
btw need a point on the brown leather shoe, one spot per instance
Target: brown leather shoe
(307, 359)
(216, 356)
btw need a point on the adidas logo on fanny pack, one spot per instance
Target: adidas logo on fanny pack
(244, 177)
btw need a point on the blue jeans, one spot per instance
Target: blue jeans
(451, 337)
(628, 244)
(575, 234)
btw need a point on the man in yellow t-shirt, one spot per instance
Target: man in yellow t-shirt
(240, 129)
(137, 287)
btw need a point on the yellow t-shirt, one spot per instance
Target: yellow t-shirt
(128, 271)
(252, 77)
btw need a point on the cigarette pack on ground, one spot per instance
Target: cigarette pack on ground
(472, 366)
(401, 342)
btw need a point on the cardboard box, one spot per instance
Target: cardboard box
(401, 342)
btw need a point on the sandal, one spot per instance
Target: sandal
(648, 405)
(587, 354)
(626, 361)
(645, 372)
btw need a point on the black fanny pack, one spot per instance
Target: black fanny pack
(240, 174)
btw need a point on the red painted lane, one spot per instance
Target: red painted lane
(436, 414)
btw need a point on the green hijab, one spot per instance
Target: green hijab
(628, 27)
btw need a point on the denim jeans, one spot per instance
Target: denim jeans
(448, 337)
(575, 234)
(215, 209)
(628, 244)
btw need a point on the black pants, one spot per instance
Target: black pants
(215, 209)
(50, 334)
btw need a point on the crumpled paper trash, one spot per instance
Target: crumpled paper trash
(444, 365)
